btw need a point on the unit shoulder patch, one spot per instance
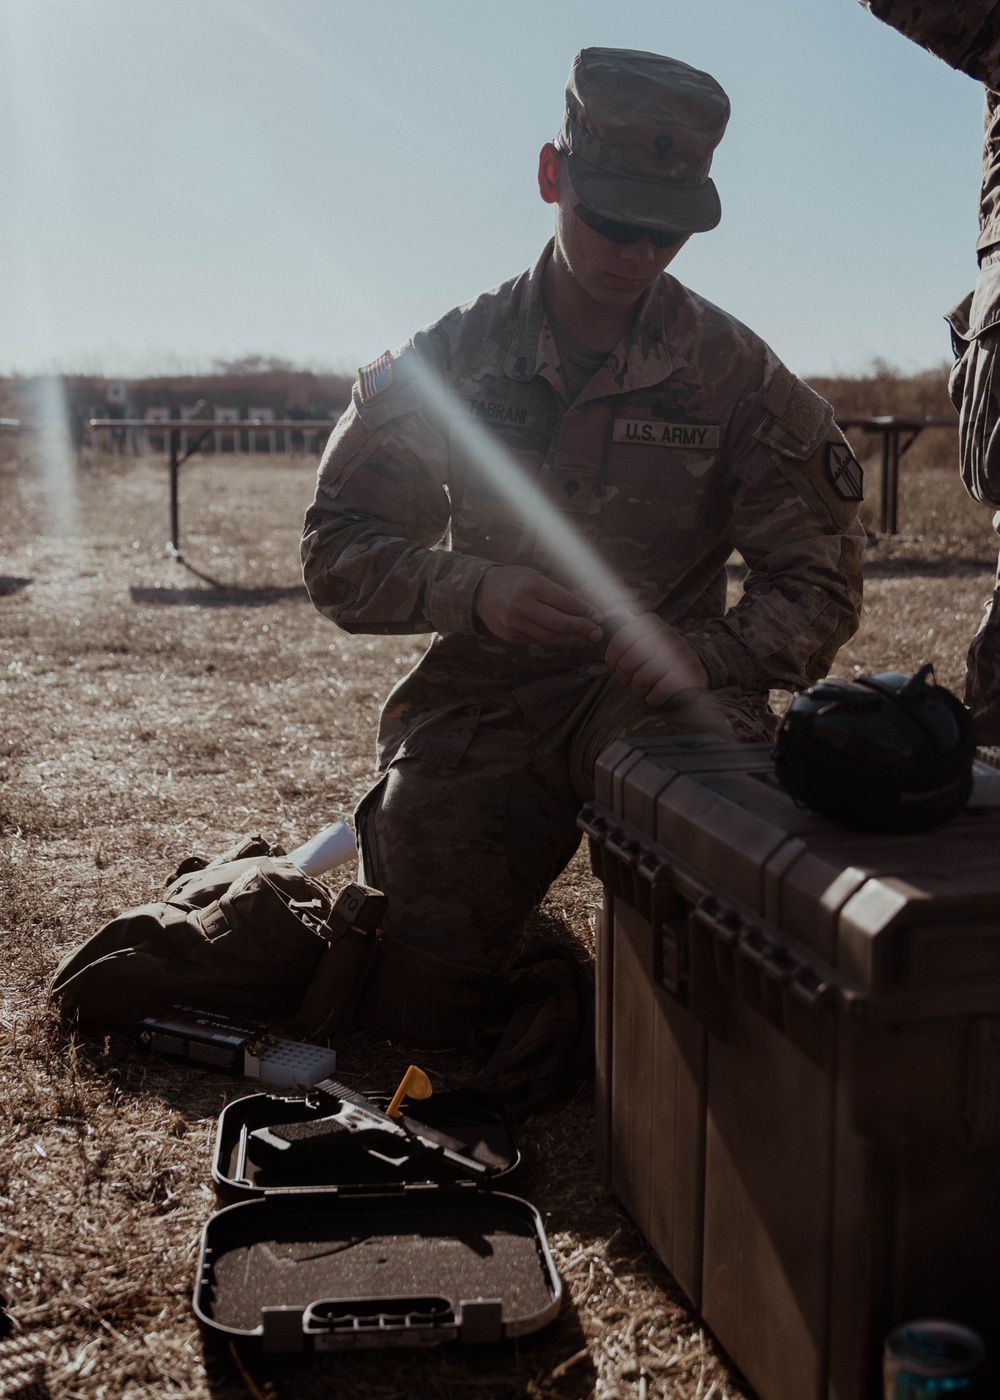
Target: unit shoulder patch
(844, 471)
(374, 378)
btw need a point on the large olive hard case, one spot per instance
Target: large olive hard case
(798, 1045)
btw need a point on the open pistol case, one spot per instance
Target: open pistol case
(345, 1231)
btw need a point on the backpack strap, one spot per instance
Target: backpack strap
(211, 920)
(353, 944)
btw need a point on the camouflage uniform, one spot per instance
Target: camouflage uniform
(966, 34)
(692, 440)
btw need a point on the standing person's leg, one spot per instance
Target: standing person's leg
(982, 667)
(974, 387)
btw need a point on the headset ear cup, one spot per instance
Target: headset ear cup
(901, 761)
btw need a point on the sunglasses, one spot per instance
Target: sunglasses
(628, 233)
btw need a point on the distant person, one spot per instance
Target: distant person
(666, 434)
(967, 36)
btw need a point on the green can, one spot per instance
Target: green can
(932, 1358)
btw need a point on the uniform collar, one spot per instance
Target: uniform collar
(642, 357)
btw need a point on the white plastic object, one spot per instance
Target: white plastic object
(327, 849)
(290, 1064)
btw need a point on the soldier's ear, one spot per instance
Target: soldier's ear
(551, 173)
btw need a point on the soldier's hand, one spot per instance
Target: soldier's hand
(653, 658)
(518, 604)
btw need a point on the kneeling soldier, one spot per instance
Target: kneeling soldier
(660, 430)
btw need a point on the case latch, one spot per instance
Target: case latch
(281, 1328)
(481, 1320)
(634, 868)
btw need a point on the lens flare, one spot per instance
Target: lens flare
(583, 568)
(58, 459)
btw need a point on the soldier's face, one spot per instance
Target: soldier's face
(610, 273)
(613, 274)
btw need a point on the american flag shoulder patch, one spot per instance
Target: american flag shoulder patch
(373, 378)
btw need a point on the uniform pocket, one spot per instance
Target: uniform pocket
(443, 738)
(978, 385)
(647, 491)
(974, 385)
(961, 339)
(984, 308)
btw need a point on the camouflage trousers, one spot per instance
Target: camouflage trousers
(975, 391)
(982, 670)
(465, 853)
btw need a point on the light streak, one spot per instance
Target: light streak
(36, 146)
(276, 35)
(580, 562)
(58, 460)
(582, 565)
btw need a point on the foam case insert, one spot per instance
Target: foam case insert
(308, 1259)
(479, 1120)
(421, 1265)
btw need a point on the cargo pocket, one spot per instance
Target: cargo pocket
(286, 923)
(264, 935)
(974, 386)
(958, 324)
(979, 419)
(443, 738)
(354, 940)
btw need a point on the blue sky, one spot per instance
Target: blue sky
(191, 179)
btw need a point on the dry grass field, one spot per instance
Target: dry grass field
(151, 708)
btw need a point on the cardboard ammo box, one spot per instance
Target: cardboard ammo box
(326, 1251)
(798, 1046)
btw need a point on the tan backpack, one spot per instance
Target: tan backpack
(247, 933)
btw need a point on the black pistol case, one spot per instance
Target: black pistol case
(308, 1258)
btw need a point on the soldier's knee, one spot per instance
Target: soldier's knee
(435, 843)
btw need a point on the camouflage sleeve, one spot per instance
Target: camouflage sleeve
(965, 33)
(371, 555)
(794, 486)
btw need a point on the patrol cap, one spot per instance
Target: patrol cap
(638, 136)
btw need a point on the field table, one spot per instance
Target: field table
(898, 436)
(202, 429)
(892, 430)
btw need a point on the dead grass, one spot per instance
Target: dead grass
(142, 719)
